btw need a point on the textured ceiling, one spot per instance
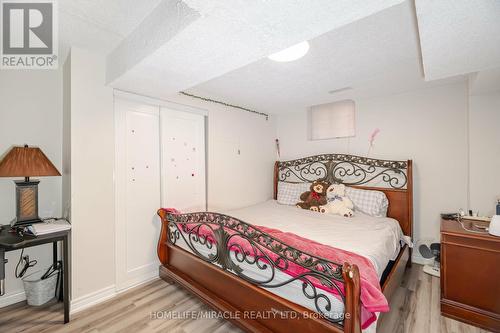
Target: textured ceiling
(458, 36)
(99, 25)
(225, 35)
(378, 55)
(219, 48)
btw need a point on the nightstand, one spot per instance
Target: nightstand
(470, 275)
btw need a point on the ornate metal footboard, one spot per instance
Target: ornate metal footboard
(234, 246)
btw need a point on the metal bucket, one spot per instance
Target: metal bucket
(39, 291)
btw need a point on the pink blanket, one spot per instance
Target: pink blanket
(372, 299)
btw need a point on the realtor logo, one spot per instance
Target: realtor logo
(28, 34)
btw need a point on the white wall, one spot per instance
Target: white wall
(92, 168)
(237, 180)
(31, 113)
(66, 139)
(484, 111)
(428, 126)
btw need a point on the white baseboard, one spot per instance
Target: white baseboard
(143, 277)
(12, 298)
(108, 293)
(91, 299)
(137, 282)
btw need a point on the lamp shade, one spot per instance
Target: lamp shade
(27, 162)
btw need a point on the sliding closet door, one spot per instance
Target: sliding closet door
(138, 191)
(160, 162)
(183, 160)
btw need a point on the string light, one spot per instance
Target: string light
(225, 104)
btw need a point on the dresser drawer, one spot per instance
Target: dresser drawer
(470, 276)
(474, 243)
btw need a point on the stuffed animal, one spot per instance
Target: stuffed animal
(338, 202)
(314, 198)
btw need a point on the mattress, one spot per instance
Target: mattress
(375, 238)
(378, 239)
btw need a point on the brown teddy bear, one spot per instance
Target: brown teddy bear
(314, 198)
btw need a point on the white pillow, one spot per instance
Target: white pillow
(370, 202)
(289, 193)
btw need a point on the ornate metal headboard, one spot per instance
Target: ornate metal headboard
(394, 178)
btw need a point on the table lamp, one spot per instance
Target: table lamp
(26, 162)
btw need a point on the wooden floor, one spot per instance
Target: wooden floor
(414, 308)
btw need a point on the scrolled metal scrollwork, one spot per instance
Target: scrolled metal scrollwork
(232, 243)
(346, 169)
(306, 172)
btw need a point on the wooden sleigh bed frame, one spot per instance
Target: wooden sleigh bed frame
(217, 280)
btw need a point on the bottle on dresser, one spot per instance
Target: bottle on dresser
(494, 228)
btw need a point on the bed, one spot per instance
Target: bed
(236, 263)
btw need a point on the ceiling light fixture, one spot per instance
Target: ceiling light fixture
(292, 53)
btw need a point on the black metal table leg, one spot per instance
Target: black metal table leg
(54, 252)
(2, 271)
(66, 278)
(54, 261)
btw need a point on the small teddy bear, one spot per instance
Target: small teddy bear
(314, 198)
(338, 202)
